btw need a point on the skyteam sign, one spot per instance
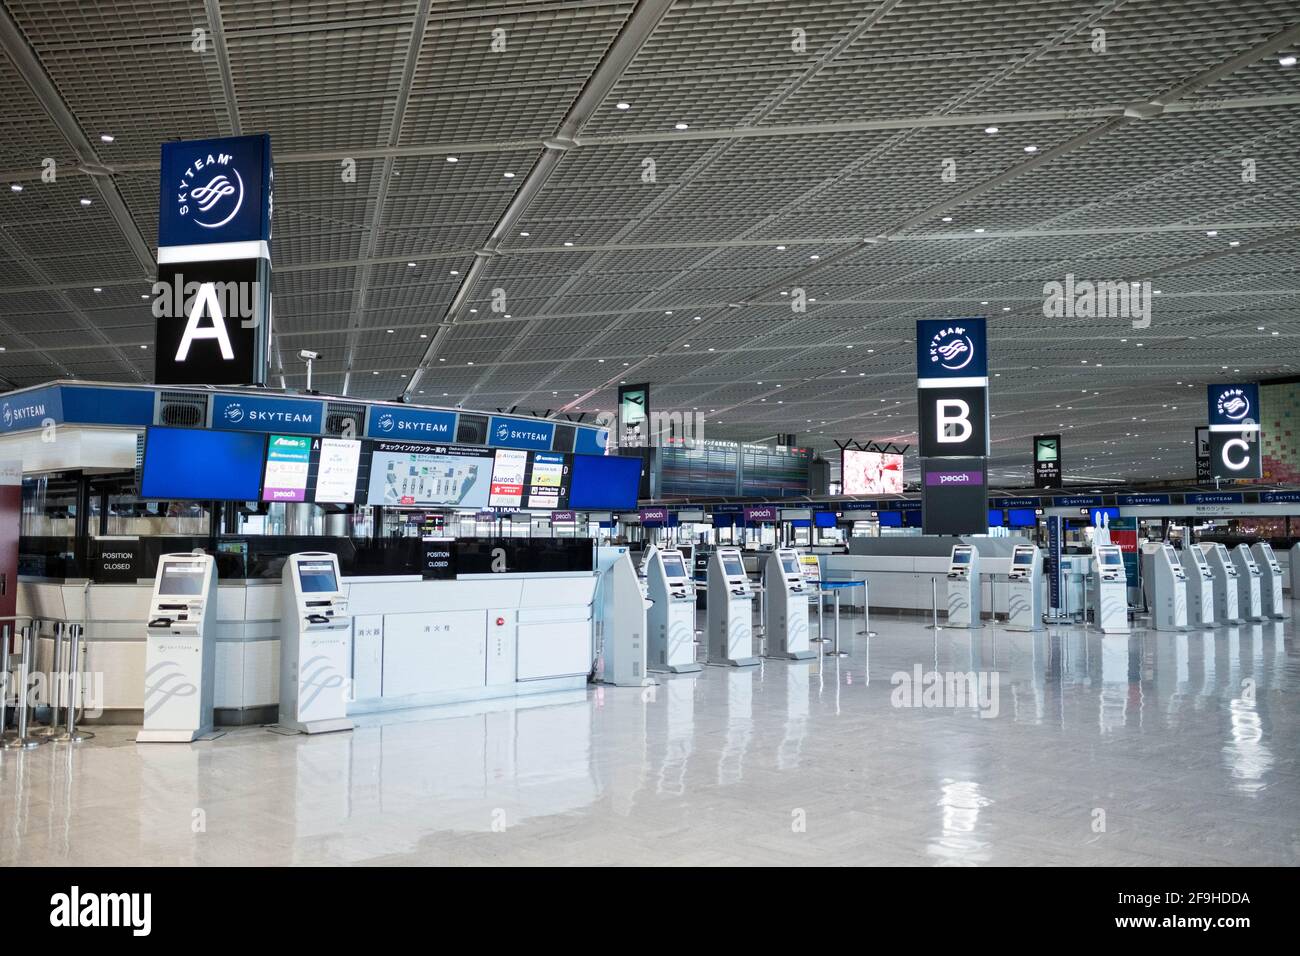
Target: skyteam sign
(1233, 414)
(255, 414)
(520, 433)
(215, 190)
(426, 425)
(1233, 406)
(951, 348)
(30, 409)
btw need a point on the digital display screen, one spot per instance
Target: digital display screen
(1111, 558)
(548, 481)
(1023, 557)
(317, 577)
(183, 578)
(601, 482)
(674, 567)
(961, 557)
(426, 475)
(789, 565)
(995, 517)
(732, 567)
(194, 464)
(508, 473)
(1022, 518)
(825, 519)
(871, 472)
(891, 519)
(288, 459)
(336, 476)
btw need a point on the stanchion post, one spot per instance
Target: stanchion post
(71, 735)
(4, 680)
(934, 604)
(22, 741)
(58, 676)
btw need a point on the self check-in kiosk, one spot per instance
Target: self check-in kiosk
(1270, 579)
(730, 614)
(786, 595)
(1226, 609)
(1295, 571)
(1025, 589)
(1249, 604)
(180, 650)
(671, 645)
(964, 605)
(315, 645)
(1110, 589)
(1168, 590)
(1200, 586)
(621, 623)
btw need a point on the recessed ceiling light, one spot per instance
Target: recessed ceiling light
(410, 265)
(778, 248)
(1211, 232)
(374, 373)
(1006, 308)
(568, 243)
(1031, 149)
(712, 349)
(145, 296)
(389, 331)
(524, 234)
(1287, 60)
(984, 302)
(423, 335)
(979, 229)
(947, 219)
(16, 187)
(990, 130)
(508, 175)
(473, 310)
(85, 202)
(1234, 242)
(105, 138)
(454, 272)
(681, 126)
(622, 106)
(814, 257)
(469, 363)
(687, 345)
(143, 347)
(452, 159)
(696, 319)
(98, 289)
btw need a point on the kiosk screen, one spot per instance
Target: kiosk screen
(183, 578)
(317, 577)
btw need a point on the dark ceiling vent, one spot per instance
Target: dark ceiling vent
(183, 409)
(344, 420)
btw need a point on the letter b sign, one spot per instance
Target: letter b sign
(954, 422)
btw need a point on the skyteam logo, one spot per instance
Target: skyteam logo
(211, 191)
(952, 348)
(386, 422)
(234, 413)
(8, 416)
(503, 432)
(1233, 404)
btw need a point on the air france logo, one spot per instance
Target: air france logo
(210, 195)
(1233, 404)
(952, 348)
(503, 431)
(234, 412)
(386, 422)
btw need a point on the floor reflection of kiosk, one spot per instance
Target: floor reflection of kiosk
(1270, 579)
(730, 614)
(671, 645)
(1200, 586)
(786, 597)
(1249, 604)
(1168, 590)
(180, 650)
(964, 606)
(315, 645)
(1025, 589)
(1225, 583)
(1110, 589)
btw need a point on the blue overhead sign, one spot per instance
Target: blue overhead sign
(1017, 503)
(1233, 407)
(215, 190)
(1277, 497)
(1134, 500)
(1215, 498)
(591, 441)
(951, 348)
(107, 406)
(1077, 501)
(520, 433)
(31, 409)
(251, 413)
(414, 423)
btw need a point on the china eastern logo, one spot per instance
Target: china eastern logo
(211, 191)
(1233, 404)
(234, 412)
(952, 348)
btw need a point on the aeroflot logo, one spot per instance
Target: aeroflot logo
(211, 191)
(1233, 404)
(952, 348)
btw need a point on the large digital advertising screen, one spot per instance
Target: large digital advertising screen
(871, 472)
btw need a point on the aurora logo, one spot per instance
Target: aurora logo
(211, 197)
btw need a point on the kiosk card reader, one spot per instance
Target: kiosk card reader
(1200, 587)
(1110, 589)
(1025, 590)
(786, 594)
(1270, 579)
(964, 605)
(621, 624)
(180, 650)
(730, 613)
(315, 645)
(1225, 583)
(671, 645)
(1249, 603)
(1168, 590)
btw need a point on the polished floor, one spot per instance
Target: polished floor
(1153, 748)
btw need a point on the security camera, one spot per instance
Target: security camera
(308, 355)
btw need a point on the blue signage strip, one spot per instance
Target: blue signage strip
(1216, 498)
(1273, 497)
(32, 409)
(215, 190)
(520, 432)
(107, 406)
(1077, 501)
(1017, 503)
(951, 348)
(591, 441)
(417, 424)
(1134, 500)
(252, 413)
(1233, 406)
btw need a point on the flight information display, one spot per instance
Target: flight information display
(420, 474)
(336, 473)
(288, 459)
(548, 481)
(509, 471)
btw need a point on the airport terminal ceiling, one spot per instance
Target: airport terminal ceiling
(521, 205)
